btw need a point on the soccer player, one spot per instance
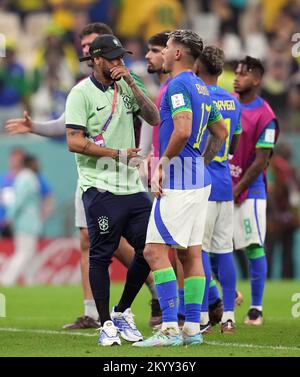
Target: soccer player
(181, 184)
(124, 252)
(100, 130)
(218, 234)
(248, 165)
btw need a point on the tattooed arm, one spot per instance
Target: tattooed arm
(215, 140)
(181, 134)
(148, 110)
(78, 143)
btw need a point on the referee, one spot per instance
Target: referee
(99, 121)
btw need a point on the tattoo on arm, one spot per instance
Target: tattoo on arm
(181, 116)
(148, 109)
(212, 147)
(73, 133)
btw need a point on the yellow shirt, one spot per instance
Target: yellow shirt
(148, 17)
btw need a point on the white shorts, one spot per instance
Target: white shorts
(178, 218)
(80, 219)
(249, 221)
(218, 233)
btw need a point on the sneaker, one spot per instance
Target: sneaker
(239, 299)
(156, 314)
(181, 320)
(254, 317)
(109, 335)
(190, 340)
(228, 327)
(84, 322)
(161, 338)
(215, 312)
(125, 323)
(206, 329)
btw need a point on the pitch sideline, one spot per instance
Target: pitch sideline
(211, 343)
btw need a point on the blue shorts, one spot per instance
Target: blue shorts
(111, 216)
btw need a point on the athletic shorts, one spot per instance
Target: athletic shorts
(80, 218)
(178, 218)
(218, 233)
(110, 217)
(249, 220)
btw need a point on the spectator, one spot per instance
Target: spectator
(283, 208)
(13, 87)
(8, 195)
(24, 215)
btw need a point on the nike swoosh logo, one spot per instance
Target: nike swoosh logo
(100, 108)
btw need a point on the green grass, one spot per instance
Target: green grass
(33, 310)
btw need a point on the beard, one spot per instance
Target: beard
(106, 75)
(153, 70)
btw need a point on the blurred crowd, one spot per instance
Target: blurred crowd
(41, 66)
(42, 46)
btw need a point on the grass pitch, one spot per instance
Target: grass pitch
(35, 316)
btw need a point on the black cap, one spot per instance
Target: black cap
(106, 46)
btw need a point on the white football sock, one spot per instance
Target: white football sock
(90, 309)
(191, 328)
(204, 318)
(256, 307)
(228, 316)
(172, 327)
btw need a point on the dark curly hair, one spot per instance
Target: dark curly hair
(189, 39)
(252, 65)
(213, 58)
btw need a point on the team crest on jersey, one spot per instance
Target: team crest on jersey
(103, 224)
(127, 101)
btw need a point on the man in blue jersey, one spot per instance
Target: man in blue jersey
(181, 184)
(248, 171)
(218, 234)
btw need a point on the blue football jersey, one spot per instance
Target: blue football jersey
(219, 170)
(186, 92)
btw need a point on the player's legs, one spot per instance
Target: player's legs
(25, 248)
(180, 283)
(249, 233)
(105, 221)
(222, 247)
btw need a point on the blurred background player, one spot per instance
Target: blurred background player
(7, 193)
(218, 232)
(125, 252)
(24, 215)
(248, 168)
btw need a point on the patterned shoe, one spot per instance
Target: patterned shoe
(206, 329)
(254, 317)
(191, 340)
(228, 327)
(109, 335)
(126, 325)
(215, 312)
(163, 338)
(84, 322)
(156, 315)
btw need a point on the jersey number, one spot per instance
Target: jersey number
(202, 127)
(226, 149)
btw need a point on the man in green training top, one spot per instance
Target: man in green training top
(99, 120)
